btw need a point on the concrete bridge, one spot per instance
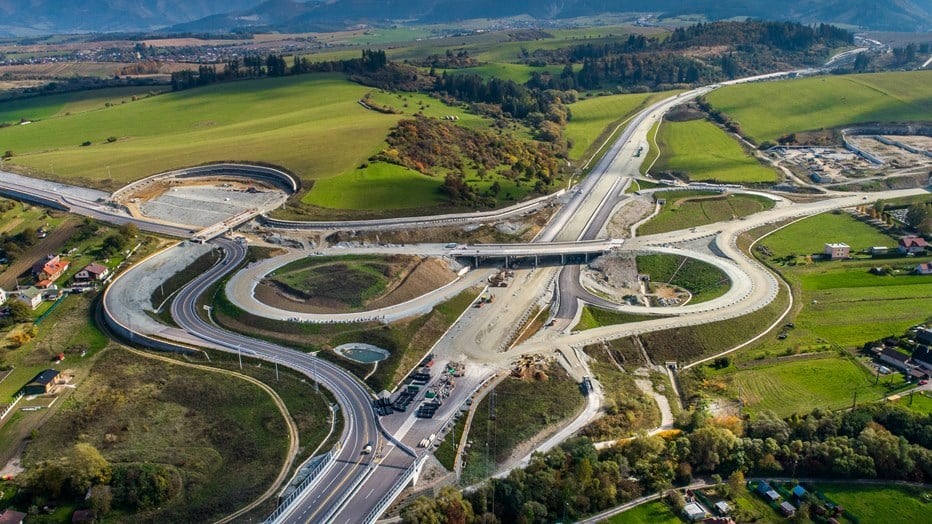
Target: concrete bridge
(585, 249)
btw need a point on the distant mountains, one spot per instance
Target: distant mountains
(62, 16)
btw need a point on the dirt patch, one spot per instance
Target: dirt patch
(629, 214)
(427, 275)
(613, 277)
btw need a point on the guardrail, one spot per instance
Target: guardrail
(395, 490)
(425, 221)
(312, 476)
(267, 173)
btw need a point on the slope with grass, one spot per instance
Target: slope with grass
(705, 152)
(44, 107)
(809, 236)
(768, 110)
(594, 117)
(685, 209)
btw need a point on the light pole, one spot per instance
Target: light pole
(239, 353)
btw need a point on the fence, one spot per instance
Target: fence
(286, 503)
(395, 490)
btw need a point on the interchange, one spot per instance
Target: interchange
(581, 219)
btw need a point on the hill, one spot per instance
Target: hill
(60, 16)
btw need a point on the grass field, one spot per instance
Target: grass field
(522, 408)
(703, 280)
(797, 386)
(809, 235)
(593, 116)
(768, 110)
(45, 107)
(519, 73)
(918, 402)
(879, 503)
(685, 209)
(705, 152)
(349, 282)
(593, 317)
(656, 512)
(377, 186)
(653, 152)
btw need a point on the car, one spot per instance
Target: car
(367, 449)
(923, 382)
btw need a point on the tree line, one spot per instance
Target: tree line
(873, 441)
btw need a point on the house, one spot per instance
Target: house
(922, 356)
(917, 373)
(800, 492)
(767, 492)
(924, 269)
(42, 383)
(11, 517)
(837, 251)
(879, 250)
(93, 272)
(693, 512)
(31, 296)
(722, 507)
(787, 509)
(912, 244)
(894, 358)
(49, 269)
(924, 336)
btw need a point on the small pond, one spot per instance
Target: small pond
(365, 353)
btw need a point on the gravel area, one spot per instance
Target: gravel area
(136, 287)
(62, 189)
(202, 206)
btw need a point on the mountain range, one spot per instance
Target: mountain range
(25, 17)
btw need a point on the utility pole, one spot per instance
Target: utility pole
(276, 368)
(239, 353)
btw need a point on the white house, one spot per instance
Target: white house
(31, 296)
(837, 251)
(93, 272)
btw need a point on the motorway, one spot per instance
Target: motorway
(351, 486)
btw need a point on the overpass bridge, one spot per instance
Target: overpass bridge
(509, 252)
(211, 232)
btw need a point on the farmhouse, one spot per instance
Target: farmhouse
(722, 507)
(799, 492)
(837, 251)
(787, 509)
(924, 269)
(769, 494)
(49, 269)
(894, 358)
(42, 383)
(31, 296)
(912, 245)
(92, 272)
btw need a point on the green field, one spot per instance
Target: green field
(879, 503)
(796, 386)
(768, 110)
(706, 152)
(656, 512)
(593, 317)
(519, 73)
(685, 209)
(45, 107)
(703, 280)
(377, 186)
(653, 152)
(809, 235)
(593, 116)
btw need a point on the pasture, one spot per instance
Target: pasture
(879, 503)
(44, 107)
(685, 209)
(768, 110)
(378, 186)
(706, 152)
(798, 385)
(656, 512)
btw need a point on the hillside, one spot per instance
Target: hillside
(61, 16)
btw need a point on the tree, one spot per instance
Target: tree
(736, 483)
(422, 511)
(19, 311)
(129, 230)
(100, 499)
(916, 215)
(453, 508)
(880, 206)
(88, 467)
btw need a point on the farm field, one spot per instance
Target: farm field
(41, 108)
(768, 110)
(796, 386)
(809, 235)
(656, 512)
(593, 116)
(879, 503)
(685, 209)
(706, 152)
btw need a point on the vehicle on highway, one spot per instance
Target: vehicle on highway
(367, 449)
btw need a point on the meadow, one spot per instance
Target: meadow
(685, 209)
(798, 385)
(706, 152)
(656, 512)
(703, 280)
(593, 317)
(879, 503)
(768, 110)
(45, 107)
(808, 236)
